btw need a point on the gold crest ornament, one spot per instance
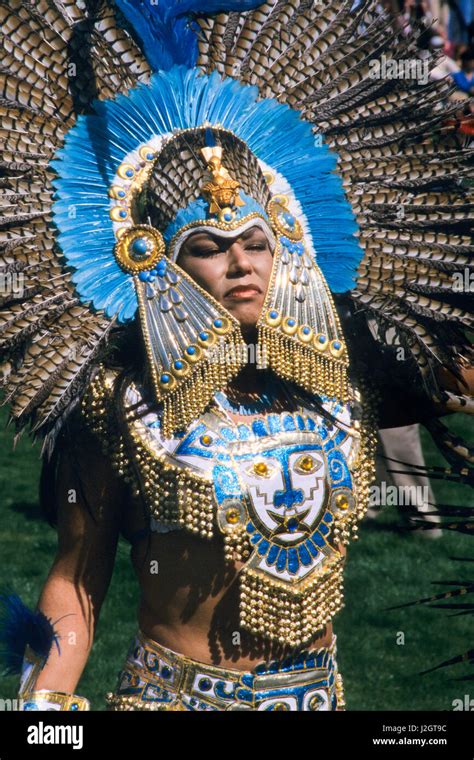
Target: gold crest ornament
(221, 189)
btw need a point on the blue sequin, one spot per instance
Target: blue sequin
(272, 555)
(293, 561)
(281, 561)
(304, 556)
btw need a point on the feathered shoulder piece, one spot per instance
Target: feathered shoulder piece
(332, 104)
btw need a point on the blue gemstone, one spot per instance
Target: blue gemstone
(322, 339)
(165, 378)
(122, 214)
(204, 335)
(190, 350)
(291, 322)
(161, 268)
(166, 672)
(205, 684)
(129, 173)
(121, 193)
(178, 365)
(228, 217)
(74, 706)
(273, 314)
(218, 323)
(144, 276)
(336, 345)
(292, 524)
(306, 330)
(150, 156)
(139, 246)
(289, 218)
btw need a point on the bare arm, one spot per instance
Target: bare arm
(89, 498)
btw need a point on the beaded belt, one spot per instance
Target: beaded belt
(156, 678)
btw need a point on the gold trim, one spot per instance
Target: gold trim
(128, 237)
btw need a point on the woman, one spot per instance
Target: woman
(207, 217)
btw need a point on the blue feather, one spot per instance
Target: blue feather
(165, 30)
(19, 627)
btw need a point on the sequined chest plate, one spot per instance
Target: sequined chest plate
(278, 488)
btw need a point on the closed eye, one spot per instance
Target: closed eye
(206, 252)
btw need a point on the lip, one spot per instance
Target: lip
(243, 291)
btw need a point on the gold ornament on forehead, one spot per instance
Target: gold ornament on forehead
(221, 189)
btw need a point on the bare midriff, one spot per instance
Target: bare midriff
(190, 603)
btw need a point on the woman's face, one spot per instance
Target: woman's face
(235, 271)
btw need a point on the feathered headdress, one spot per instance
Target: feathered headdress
(371, 169)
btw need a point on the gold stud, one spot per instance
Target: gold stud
(232, 515)
(281, 706)
(342, 502)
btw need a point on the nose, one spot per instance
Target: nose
(288, 498)
(239, 260)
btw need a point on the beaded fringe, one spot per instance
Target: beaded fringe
(181, 406)
(175, 496)
(290, 616)
(345, 528)
(298, 362)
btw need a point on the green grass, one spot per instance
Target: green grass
(385, 568)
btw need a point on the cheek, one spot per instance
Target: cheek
(203, 271)
(266, 268)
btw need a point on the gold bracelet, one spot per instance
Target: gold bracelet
(43, 699)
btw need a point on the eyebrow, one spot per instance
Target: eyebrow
(204, 237)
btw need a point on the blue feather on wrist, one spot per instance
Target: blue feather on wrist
(21, 627)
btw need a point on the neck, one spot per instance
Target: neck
(250, 379)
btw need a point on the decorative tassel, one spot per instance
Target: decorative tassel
(291, 616)
(298, 362)
(194, 393)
